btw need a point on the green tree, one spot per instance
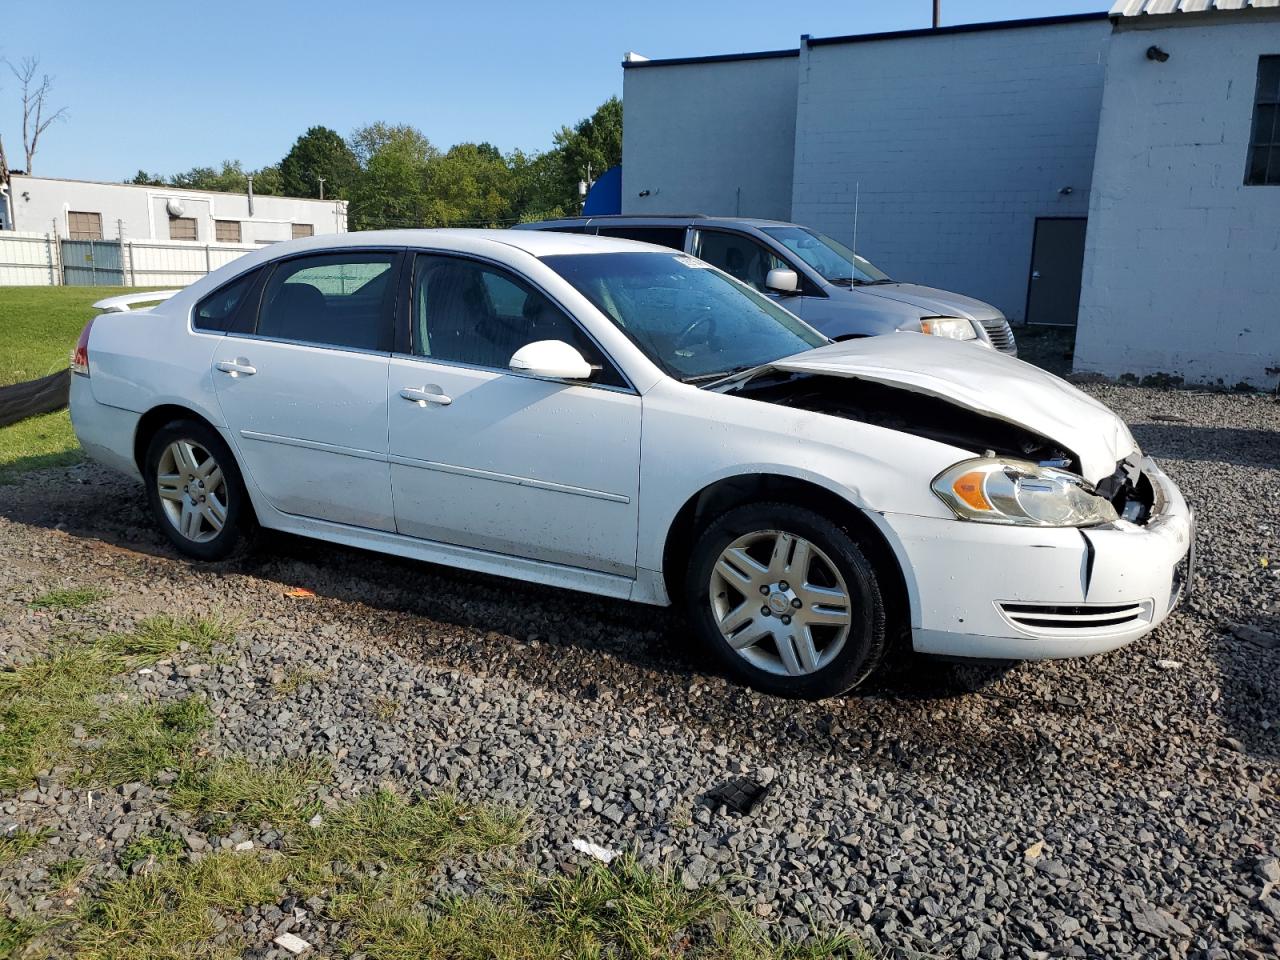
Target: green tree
(320, 152)
(391, 188)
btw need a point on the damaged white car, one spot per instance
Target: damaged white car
(625, 420)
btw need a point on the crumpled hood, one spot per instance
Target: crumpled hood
(979, 379)
(933, 302)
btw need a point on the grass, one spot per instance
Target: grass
(174, 912)
(161, 847)
(619, 910)
(69, 598)
(16, 845)
(37, 443)
(234, 789)
(70, 873)
(41, 326)
(374, 860)
(44, 702)
(295, 678)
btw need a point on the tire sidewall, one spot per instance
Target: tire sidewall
(232, 533)
(864, 647)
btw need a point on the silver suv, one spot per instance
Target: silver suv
(817, 278)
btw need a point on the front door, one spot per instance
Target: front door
(1057, 264)
(747, 260)
(305, 395)
(486, 458)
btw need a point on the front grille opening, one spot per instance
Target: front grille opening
(1058, 618)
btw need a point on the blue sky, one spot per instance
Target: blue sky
(167, 86)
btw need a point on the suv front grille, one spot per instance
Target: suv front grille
(1001, 335)
(1058, 619)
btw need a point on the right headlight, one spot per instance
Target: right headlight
(953, 328)
(1011, 491)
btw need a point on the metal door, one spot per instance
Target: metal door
(1057, 262)
(92, 263)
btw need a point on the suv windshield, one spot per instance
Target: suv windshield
(693, 321)
(831, 258)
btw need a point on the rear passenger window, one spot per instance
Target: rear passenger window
(217, 311)
(672, 237)
(337, 300)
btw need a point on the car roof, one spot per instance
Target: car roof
(656, 219)
(537, 243)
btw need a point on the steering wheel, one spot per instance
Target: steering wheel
(686, 336)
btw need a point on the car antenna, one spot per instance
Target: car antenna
(857, 195)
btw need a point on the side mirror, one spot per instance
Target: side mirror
(553, 359)
(782, 280)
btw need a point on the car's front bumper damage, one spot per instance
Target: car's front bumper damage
(1032, 593)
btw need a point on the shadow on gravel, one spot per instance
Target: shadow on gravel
(1242, 447)
(635, 657)
(1249, 667)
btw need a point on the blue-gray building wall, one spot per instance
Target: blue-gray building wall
(951, 145)
(709, 137)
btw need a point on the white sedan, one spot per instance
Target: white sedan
(625, 420)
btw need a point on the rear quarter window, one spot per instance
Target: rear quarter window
(216, 313)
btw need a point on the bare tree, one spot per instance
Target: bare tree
(37, 112)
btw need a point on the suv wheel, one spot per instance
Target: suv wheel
(195, 490)
(787, 601)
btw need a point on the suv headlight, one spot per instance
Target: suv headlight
(953, 328)
(1005, 490)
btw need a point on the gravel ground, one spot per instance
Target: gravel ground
(1124, 805)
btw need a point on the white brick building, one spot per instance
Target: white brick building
(973, 155)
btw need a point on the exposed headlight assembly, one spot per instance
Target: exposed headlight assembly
(953, 328)
(1009, 491)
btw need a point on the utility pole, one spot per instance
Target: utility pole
(321, 179)
(937, 13)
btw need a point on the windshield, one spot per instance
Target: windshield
(831, 258)
(693, 321)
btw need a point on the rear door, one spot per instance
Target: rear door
(304, 390)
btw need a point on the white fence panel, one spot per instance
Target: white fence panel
(153, 263)
(28, 259)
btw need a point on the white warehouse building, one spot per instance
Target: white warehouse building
(1052, 167)
(55, 231)
(91, 210)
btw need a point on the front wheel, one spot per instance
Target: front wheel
(195, 490)
(787, 601)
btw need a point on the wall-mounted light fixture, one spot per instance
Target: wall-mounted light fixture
(1156, 54)
(644, 193)
(1066, 191)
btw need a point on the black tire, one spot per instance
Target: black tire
(854, 658)
(239, 526)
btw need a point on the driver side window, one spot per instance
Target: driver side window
(468, 312)
(741, 257)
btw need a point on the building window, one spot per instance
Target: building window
(182, 228)
(1264, 143)
(84, 226)
(226, 231)
(303, 230)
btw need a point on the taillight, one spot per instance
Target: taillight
(80, 355)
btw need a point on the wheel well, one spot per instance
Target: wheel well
(153, 420)
(724, 495)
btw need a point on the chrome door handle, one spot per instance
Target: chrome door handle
(239, 367)
(422, 396)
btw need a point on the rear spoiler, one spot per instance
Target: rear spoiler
(122, 304)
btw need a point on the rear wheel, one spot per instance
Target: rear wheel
(195, 490)
(787, 600)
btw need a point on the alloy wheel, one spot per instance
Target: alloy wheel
(193, 490)
(780, 603)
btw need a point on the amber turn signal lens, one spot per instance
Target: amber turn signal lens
(968, 487)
